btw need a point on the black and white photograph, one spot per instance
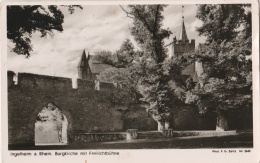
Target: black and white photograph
(130, 76)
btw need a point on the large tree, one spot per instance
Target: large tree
(149, 69)
(121, 61)
(121, 58)
(220, 22)
(226, 84)
(22, 21)
(146, 72)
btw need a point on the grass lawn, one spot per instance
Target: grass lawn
(240, 140)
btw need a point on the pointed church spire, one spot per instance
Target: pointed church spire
(83, 60)
(84, 71)
(183, 35)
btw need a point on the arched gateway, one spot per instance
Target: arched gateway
(51, 127)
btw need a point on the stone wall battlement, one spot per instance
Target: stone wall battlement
(54, 82)
(179, 47)
(191, 42)
(90, 111)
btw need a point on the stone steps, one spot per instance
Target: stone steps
(149, 135)
(98, 137)
(203, 133)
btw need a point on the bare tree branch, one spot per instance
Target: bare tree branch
(32, 8)
(144, 20)
(168, 44)
(127, 13)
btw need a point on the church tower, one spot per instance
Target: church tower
(182, 44)
(83, 67)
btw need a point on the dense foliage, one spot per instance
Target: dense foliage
(158, 77)
(22, 21)
(226, 57)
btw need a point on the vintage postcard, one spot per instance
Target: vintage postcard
(130, 81)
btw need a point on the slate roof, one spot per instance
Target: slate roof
(83, 60)
(88, 61)
(97, 67)
(183, 35)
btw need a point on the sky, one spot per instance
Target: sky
(95, 28)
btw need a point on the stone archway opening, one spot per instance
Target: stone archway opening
(51, 127)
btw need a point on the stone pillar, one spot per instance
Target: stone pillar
(131, 134)
(161, 126)
(166, 125)
(199, 70)
(97, 85)
(64, 130)
(167, 133)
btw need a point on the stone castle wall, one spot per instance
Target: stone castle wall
(87, 110)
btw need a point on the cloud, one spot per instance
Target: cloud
(94, 28)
